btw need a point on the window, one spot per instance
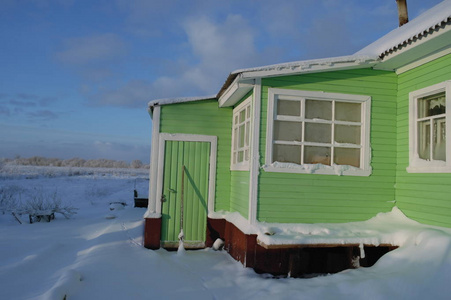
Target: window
(241, 136)
(429, 151)
(317, 132)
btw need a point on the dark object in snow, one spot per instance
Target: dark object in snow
(140, 202)
(37, 217)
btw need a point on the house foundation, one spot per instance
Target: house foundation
(299, 260)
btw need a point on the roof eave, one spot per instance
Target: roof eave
(427, 43)
(240, 82)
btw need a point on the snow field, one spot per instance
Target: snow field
(90, 256)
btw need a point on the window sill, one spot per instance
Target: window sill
(316, 169)
(428, 169)
(240, 167)
(418, 165)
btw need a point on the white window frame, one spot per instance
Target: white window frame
(299, 95)
(416, 164)
(247, 123)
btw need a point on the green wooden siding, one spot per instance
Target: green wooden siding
(310, 198)
(205, 118)
(239, 192)
(422, 197)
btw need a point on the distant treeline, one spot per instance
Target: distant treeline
(74, 162)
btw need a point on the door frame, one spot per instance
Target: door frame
(181, 137)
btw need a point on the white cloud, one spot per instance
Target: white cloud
(91, 49)
(218, 48)
(224, 46)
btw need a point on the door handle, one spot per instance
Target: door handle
(163, 198)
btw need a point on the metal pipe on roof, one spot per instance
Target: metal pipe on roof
(402, 12)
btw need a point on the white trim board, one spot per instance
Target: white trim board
(213, 140)
(254, 155)
(423, 61)
(154, 159)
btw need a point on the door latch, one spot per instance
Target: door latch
(163, 198)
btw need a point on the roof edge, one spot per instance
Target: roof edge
(299, 67)
(167, 101)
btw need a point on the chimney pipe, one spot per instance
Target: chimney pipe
(402, 12)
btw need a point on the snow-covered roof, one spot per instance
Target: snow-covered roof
(302, 66)
(418, 27)
(166, 101)
(308, 64)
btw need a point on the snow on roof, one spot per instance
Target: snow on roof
(167, 101)
(305, 64)
(313, 65)
(414, 29)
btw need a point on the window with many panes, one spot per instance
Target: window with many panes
(241, 136)
(308, 128)
(428, 126)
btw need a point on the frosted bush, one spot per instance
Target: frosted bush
(38, 204)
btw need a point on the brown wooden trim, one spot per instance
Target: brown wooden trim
(152, 233)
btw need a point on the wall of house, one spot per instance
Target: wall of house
(239, 192)
(310, 198)
(422, 197)
(205, 118)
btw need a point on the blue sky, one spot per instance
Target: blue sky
(76, 76)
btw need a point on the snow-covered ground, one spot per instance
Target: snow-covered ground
(98, 253)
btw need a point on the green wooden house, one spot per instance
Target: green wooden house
(319, 141)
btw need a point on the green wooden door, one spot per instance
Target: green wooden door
(186, 172)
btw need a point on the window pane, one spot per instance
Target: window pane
(318, 133)
(439, 140)
(424, 139)
(315, 109)
(241, 136)
(240, 156)
(235, 138)
(317, 155)
(432, 105)
(287, 153)
(347, 134)
(287, 131)
(242, 115)
(345, 111)
(347, 156)
(248, 124)
(288, 108)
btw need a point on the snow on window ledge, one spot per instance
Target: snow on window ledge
(316, 169)
(418, 165)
